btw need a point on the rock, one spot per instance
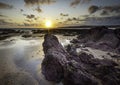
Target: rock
(110, 40)
(3, 37)
(51, 65)
(100, 38)
(26, 36)
(83, 69)
(57, 65)
(52, 69)
(115, 56)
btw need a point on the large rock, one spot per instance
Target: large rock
(54, 58)
(58, 65)
(100, 38)
(83, 69)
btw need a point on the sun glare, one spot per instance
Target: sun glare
(48, 24)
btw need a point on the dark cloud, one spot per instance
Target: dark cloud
(74, 19)
(35, 18)
(76, 2)
(21, 10)
(5, 6)
(85, 1)
(38, 2)
(64, 15)
(27, 24)
(28, 20)
(93, 20)
(111, 8)
(106, 10)
(31, 16)
(112, 20)
(38, 9)
(2, 15)
(92, 9)
(5, 22)
(60, 22)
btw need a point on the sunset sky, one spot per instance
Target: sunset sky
(34, 13)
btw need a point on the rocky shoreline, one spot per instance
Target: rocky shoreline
(65, 65)
(99, 38)
(74, 57)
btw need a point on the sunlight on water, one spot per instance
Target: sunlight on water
(25, 55)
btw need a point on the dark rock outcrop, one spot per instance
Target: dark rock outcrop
(83, 69)
(100, 38)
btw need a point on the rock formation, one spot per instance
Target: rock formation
(71, 69)
(100, 38)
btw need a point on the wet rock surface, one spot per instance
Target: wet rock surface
(71, 68)
(100, 38)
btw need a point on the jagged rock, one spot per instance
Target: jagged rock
(83, 69)
(58, 65)
(51, 66)
(3, 37)
(100, 38)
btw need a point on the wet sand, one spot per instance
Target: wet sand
(20, 58)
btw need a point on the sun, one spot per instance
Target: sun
(48, 23)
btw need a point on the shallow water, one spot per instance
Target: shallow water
(18, 54)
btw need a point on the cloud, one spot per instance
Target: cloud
(92, 9)
(64, 15)
(38, 2)
(21, 10)
(2, 15)
(76, 2)
(74, 19)
(93, 20)
(29, 24)
(113, 20)
(112, 8)
(5, 6)
(28, 20)
(31, 16)
(86, 1)
(5, 22)
(106, 10)
(38, 9)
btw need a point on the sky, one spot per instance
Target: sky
(34, 13)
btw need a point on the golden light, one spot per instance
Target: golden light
(48, 24)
